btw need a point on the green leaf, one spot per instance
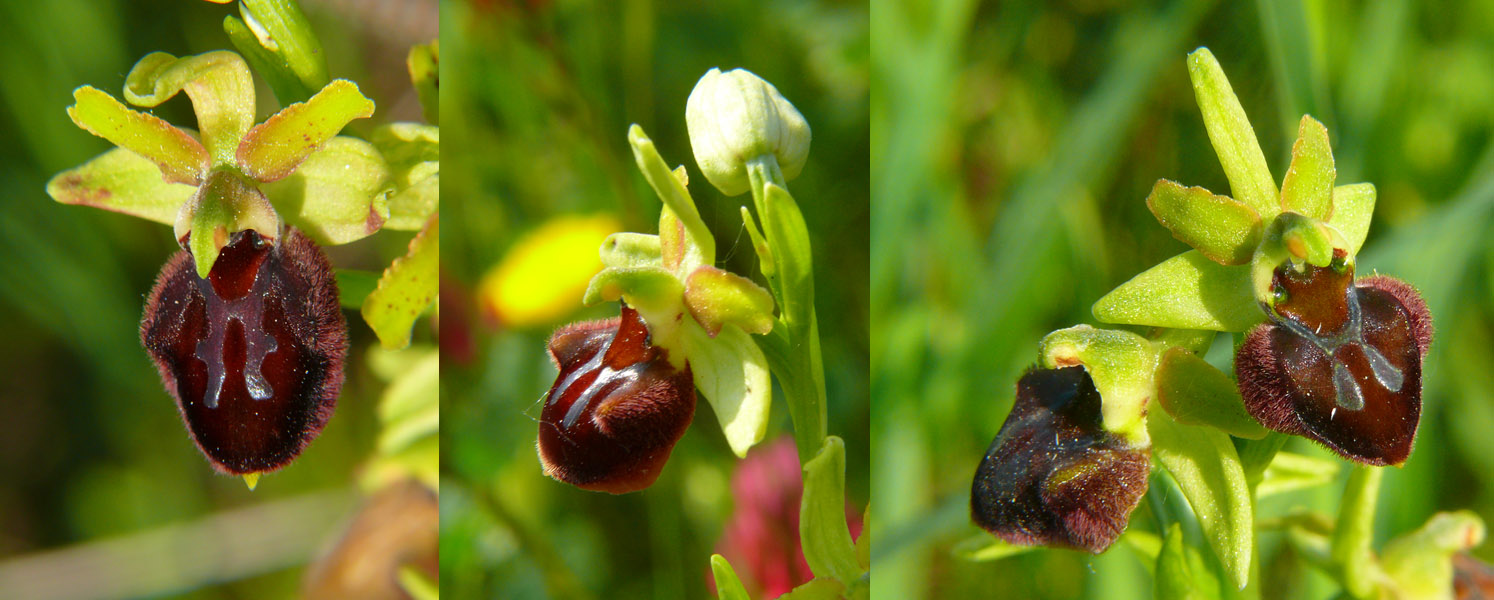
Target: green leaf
(1354, 534)
(1353, 207)
(717, 298)
(816, 589)
(631, 250)
(728, 587)
(282, 28)
(1187, 291)
(424, 63)
(407, 288)
(1308, 186)
(219, 85)
(822, 515)
(671, 190)
(274, 148)
(1196, 393)
(1121, 364)
(122, 181)
(1224, 229)
(179, 156)
(985, 548)
(336, 195)
(1290, 472)
(732, 374)
(783, 224)
(1208, 471)
(413, 152)
(1182, 572)
(1233, 138)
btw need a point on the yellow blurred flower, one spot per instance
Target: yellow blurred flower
(545, 273)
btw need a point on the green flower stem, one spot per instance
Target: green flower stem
(1355, 531)
(793, 354)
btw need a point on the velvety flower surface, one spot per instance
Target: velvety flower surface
(1339, 362)
(1054, 476)
(616, 409)
(253, 353)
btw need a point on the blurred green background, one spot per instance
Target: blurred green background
(102, 494)
(1014, 144)
(537, 100)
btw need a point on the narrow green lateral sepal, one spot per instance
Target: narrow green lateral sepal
(1307, 188)
(1222, 228)
(122, 181)
(1233, 138)
(274, 148)
(1187, 291)
(1196, 393)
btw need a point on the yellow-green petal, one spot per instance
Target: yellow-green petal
(122, 181)
(179, 156)
(274, 148)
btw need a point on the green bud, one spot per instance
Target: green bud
(736, 117)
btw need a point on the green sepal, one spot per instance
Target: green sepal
(1207, 469)
(733, 375)
(1290, 472)
(1420, 563)
(274, 148)
(822, 515)
(816, 589)
(717, 298)
(1307, 188)
(122, 181)
(219, 84)
(1182, 572)
(424, 64)
(629, 249)
(178, 155)
(701, 247)
(337, 195)
(1233, 138)
(284, 84)
(413, 152)
(224, 204)
(1196, 393)
(407, 288)
(1353, 207)
(1121, 364)
(986, 548)
(1222, 228)
(728, 587)
(783, 225)
(1187, 291)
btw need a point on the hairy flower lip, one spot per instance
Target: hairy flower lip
(616, 409)
(1075, 491)
(1348, 378)
(253, 354)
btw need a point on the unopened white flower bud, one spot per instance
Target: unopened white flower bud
(735, 117)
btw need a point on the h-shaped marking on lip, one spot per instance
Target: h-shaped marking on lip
(249, 312)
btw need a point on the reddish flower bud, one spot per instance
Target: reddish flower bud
(1054, 476)
(1339, 362)
(253, 354)
(616, 409)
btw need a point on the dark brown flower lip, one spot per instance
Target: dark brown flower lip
(1054, 476)
(1353, 385)
(253, 354)
(617, 406)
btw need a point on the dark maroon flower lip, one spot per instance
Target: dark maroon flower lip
(1054, 476)
(253, 354)
(617, 406)
(1339, 362)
